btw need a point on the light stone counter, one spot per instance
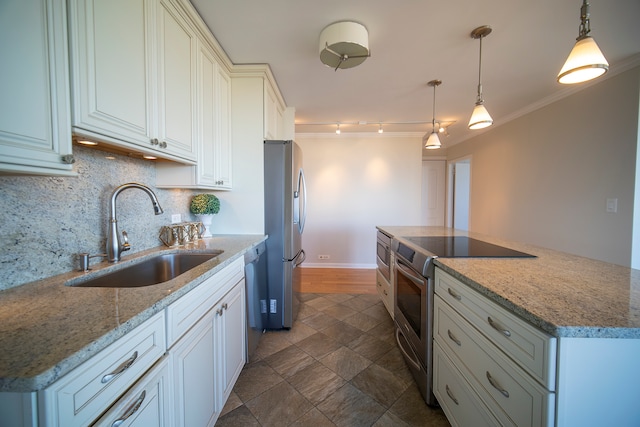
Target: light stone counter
(562, 294)
(48, 328)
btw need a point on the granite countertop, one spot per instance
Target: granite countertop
(564, 295)
(48, 328)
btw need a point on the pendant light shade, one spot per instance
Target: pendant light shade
(586, 61)
(433, 141)
(480, 118)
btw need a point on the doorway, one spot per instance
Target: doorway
(433, 192)
(459, 192)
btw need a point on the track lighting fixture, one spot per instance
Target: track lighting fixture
(480, 117)
(586, 61)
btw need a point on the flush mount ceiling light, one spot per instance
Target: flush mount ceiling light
(344, 45)
(433, 141)
(586, 61)
(480, 117)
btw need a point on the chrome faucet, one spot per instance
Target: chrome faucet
(114, 246)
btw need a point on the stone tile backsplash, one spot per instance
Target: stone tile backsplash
(46, 221)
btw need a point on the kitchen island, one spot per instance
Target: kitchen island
(47, 328)
(588, 310)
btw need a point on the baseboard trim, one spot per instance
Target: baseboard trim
(325, 265)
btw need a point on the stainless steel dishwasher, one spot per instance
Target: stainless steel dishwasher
(255, 271)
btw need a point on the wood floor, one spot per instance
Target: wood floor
(338, 281)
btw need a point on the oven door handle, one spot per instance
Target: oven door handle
(406, 270)
(408, 357)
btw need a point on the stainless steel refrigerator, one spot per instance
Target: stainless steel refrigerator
(285, 200)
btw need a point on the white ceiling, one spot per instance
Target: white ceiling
(413, 42)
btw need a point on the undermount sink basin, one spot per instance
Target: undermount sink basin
(152, 271)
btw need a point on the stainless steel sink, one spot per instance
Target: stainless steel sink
(149, 272)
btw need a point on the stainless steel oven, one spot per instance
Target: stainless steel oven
(383, 254)
(413, 288)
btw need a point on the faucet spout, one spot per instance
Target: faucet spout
(114, 245)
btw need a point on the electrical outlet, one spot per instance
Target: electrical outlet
(324, 256)
(176, 218)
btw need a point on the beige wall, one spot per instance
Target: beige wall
(354, 183)
(544, 178)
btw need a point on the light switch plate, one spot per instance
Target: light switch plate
(612, 205)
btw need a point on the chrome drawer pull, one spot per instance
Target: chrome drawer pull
(120, 369)
(495, 385)
(451, 394)
(131, 410)
(453, 338)
(454, 294)
(495, 325)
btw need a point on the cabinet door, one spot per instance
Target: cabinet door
(146, 404)
(193, 361)
(223, 140)
(112, 62)
(35, 130)
(231, 320)
(177, 77)
(207, 117)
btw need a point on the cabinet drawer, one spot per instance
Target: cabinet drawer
(532, 349)
(385, 290)
(185, 312)
(461, 405)
(500, 383)
(87, 391)
(147, 403)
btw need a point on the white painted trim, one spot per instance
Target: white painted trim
(358, 266)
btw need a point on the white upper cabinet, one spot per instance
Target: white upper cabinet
(133, 68)
(273, 113)
(213, 140)
(35, 131)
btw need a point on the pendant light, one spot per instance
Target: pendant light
(586, 61)
(433, 141)
(480, 117)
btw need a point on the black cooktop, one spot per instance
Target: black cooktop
(464, 247)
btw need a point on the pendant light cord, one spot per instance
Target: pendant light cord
(433, 121)
(585, 25)
(479, 99)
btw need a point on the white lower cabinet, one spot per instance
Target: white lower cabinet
(82, 395)
(145, 404)
(462, 406)
(510, 381)
(207, 359)
(385, 291)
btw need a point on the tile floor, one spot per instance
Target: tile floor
(337, 366)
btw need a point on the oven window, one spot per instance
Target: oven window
(409, 301)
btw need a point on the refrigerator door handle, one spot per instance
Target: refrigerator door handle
(302, 256)
(302, 213)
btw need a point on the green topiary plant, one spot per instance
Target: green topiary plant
(204, 204)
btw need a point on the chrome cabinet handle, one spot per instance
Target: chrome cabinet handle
(450, 394)
(130, 410)
(454, 294)
(219, 312)
(495, 325)
(497, 386)
(154, 141)
(453, 338)
(120, 369)
(163, 144)
(224, 306)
